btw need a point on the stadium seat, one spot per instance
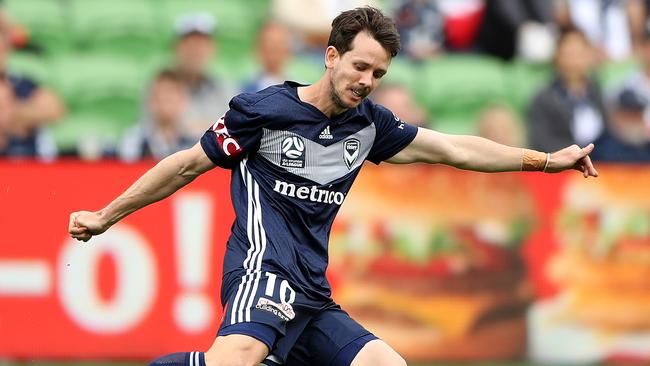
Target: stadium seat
(100, 73)
(236, 69)
(612, 73)
(524, 81)
(46, 20)
(36, 67)
(122, 110)
(459, 86)
(237, 21)
(456, 123)
(305, 69)
(403, 71)
(77, 127)
(104, 85)
(125, 27)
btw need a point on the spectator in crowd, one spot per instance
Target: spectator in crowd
(506, 21)
(499, 123)
(570, 109)
(639, 79)
(16, 33)
(7, 104)
(160, 131)
(630, 112)
(399, 99)
(310, 20)
(430, 27)
(4, 21)
(274, 52)
(33, 107)
(646, 16)
(194, 53)
(462, 19)
(421, 28)
(615, 27)
(630, 137)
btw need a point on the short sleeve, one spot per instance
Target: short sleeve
(23, 87)
(392, 136)
(234, 135)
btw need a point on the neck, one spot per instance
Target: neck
(190, 78)
(4, 139)
(273, 71)
(319, 95)
(576, 85)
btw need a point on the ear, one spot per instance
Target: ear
(331, 55)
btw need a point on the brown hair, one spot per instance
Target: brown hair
(168, 74)
(349, 23)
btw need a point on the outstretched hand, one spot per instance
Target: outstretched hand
(84, 224)
(573, 157)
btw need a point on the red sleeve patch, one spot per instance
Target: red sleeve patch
(228, 144)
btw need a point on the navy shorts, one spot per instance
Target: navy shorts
(298, 330)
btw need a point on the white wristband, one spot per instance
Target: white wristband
(548, 158)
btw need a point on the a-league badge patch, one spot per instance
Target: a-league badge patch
(293, 152)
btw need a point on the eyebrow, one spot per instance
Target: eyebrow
(363, 63)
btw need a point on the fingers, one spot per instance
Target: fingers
(85, 236)
(584, 163)
(77, 231)
(587, 149)
(71, 223)
(80, 233)
(589, 166)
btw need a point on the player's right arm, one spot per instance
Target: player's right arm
(169, 175)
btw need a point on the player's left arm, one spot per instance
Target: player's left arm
(480, 154)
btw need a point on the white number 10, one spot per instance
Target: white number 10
(287, 294)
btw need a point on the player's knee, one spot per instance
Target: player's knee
(235, 351)
(390, 359)
(233, 361)
(378, 353)
(238, 357)
(398, 361)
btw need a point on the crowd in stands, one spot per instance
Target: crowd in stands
(567, 41)
(25, 107)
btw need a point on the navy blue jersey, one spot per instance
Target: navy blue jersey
(292, 168)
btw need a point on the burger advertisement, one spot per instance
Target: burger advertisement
(430, 261)
(601, 270)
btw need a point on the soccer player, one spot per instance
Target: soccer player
(294, 151)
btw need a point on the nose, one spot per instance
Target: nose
(366, 79)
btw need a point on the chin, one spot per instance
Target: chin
(353, 104)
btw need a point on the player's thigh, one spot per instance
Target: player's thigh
(377, 353)
(332, 338)
(236, 350)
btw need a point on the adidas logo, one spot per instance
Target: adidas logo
(326, 135)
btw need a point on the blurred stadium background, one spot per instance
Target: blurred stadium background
(100, 56)
(521, 269)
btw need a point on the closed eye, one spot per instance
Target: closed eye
(360, 66)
